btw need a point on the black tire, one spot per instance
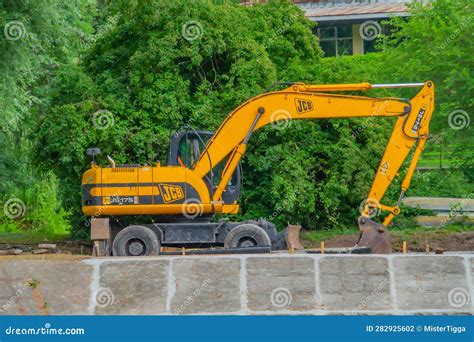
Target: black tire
(136, 241)
(247, 235)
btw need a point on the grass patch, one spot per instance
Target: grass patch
(397, 232)
(407, 233)
(321, 235)
(25, 239)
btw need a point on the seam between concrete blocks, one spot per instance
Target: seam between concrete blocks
(392, 284)
(171, 288)
(243, 285)
(317, 278)
(94, 286)
(468, 267)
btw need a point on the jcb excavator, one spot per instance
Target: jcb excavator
(203, 175)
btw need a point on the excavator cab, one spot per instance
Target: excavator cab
(186, 148)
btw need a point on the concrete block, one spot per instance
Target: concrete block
(137, 287)
(354, 283)
(44, 287)
(281, 283)
(206, 285)
(431, 282)
(471, 263)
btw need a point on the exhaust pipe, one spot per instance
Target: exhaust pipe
(111, 161)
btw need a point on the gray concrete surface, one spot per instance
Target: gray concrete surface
(132, 287)
(205, 285)
(425, 283)
(242, 284)
(280, 283)
(355, 283)
(43, 287)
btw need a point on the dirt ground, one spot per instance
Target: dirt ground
(64, 247)
(447, 241)
(462, 241)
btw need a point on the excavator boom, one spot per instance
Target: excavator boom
(301, 101)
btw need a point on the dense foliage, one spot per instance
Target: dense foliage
(153, 67)
(31, 48)
(436, 43)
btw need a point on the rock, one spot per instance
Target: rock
(47, 246)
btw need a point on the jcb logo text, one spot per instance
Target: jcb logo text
(303, 106)
(171, 193)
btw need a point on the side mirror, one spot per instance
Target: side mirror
(95, 151)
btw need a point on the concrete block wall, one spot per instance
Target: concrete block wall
(241, 284)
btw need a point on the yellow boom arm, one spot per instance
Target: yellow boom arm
(301, 101)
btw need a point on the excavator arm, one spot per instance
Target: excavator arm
(301, 101)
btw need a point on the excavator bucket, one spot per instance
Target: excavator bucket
(292, 237)
(374, 235)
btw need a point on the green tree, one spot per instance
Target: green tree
(31, 48)
(436, 43)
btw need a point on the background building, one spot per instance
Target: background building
(349, 27)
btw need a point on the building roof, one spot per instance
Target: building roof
(319, 10)
(356, 12)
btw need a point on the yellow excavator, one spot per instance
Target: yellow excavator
(203, 175)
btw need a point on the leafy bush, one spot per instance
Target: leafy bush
(436, 43)
(38, 211)
(36, 37)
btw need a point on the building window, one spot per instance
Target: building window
(373, 45)
(336, 40)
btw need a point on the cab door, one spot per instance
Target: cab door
(186, 148)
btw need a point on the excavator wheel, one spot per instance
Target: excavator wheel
(136, 241)
(247, 235)
(374, 235)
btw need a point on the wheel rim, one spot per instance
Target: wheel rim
(247, 242)
(135, 247)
